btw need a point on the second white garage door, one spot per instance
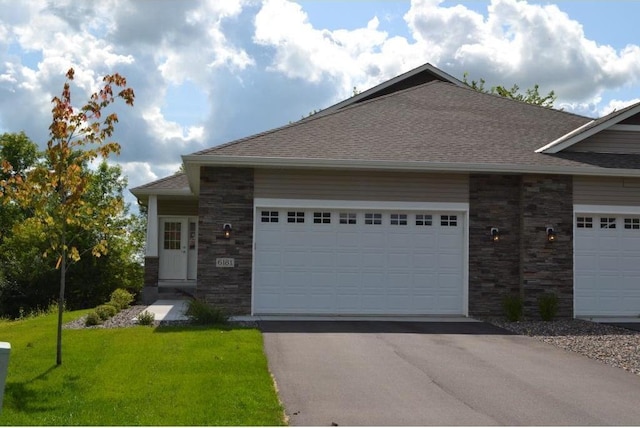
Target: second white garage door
(358, 262)
(607, 265)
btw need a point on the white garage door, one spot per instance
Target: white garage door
(607, 265)
(314, 261)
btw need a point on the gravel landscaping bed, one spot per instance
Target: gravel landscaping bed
(613, 345)
(125, 318)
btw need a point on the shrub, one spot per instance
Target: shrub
(146, 318)
(121, 299)
(106, 311)
(513, 307)
(548, 306)
(93, 319)
(199, 312)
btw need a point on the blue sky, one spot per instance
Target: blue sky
(208, 72)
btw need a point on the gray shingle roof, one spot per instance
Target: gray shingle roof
(436, 122)
(176, 182)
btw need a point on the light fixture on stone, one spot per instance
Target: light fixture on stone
(495, 234)
(226, 231)
(551, 234)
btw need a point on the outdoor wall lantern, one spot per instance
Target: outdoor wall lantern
(495, 234)
(551, 234)
(226, 231)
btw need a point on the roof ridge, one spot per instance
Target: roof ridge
(526, 103)
(314, 118)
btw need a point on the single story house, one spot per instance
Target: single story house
(419, 196)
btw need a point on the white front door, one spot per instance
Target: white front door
(173, 248)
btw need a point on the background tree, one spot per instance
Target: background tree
(530, 96)
(54, 189)
(19, 151)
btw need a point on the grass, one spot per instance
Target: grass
(137, 376)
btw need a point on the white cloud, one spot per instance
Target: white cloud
(613, 105)
(165, 131)
(223, 48)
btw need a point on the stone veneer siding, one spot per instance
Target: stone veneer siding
(523, 261)
(151, 273)
(547, 267)
(226, 196)
(494, 267)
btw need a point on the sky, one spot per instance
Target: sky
(209, 72)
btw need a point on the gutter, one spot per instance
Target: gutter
(194, 162)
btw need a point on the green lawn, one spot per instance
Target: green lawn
(137, 376)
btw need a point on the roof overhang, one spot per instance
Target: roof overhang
(194, 162)
(143, 194)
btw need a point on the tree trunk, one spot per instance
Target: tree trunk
(63, 273)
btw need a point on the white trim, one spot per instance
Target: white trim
(194, 162)
(459, 207)
(605, 209)
(563, 138)
(360, 205)
(152, 227)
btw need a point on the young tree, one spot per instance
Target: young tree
(531, 95)
(53, 190)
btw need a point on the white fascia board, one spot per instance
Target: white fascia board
(163, 192)
(262, 162)
(576, 136)
(606, 209)
(360, 205)
(565, 141)
(192, 169)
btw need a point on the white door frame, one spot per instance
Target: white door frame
(460, 207)
(185, 268)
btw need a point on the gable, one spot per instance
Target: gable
(622, 139)
(616, 132)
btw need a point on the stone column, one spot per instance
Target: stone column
(226, 196)
(547, 267)
(494, 267)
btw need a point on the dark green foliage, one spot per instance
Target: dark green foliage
(106, 311)
(93, 319)
(548, 306)
(200, 312)
(513, 307)
(146, 318)
(531, 96)
(121, 299)
(29, 281)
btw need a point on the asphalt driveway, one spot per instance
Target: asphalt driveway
(390, 373)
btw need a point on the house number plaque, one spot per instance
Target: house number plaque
(225, 262)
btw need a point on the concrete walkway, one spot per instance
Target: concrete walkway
(169, 310)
